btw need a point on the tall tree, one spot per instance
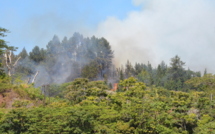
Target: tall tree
(4, 47)
(176, 73)
(104, 56)
(54, 45)
(129, 70)
(90, 71)
(160, 74)
(37, 54)
(10, 63)
(23, 53)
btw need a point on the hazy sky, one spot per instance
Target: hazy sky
(138, 30)
(34, 22)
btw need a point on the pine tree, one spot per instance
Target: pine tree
(176, 73)
(90, 71)
(121, 75)
(23, 53)
(150, 72)
(3, 45)
(129, 70)
(37, 54)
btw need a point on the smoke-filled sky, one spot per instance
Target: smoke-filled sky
(138, 30)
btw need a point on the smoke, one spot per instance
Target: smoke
(159, 31)
(163, 29)
(43, 27)
(63, 61)
(62, 69)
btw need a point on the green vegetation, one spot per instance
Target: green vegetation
(90, 107)
(162, 100)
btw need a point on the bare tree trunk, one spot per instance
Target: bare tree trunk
(35, 77)
(9, 56)
(8, 67)
(8, 61)
(16, 61)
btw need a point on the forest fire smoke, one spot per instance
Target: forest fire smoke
(163, 29)
(63, 61)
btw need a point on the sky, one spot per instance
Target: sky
(35, 22)
(137, 30)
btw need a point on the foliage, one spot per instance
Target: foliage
(28, 91)
(81, 88)
(5, 84)
(136, 108)
(91, 70)
(162, 100)
(3, 44)
(205, 83)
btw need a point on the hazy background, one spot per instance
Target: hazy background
(138, 30)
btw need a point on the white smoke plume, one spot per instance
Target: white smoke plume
(163, 29)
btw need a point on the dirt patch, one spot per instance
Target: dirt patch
(10, 97)
(7, 98)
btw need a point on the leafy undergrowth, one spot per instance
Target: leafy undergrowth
(85, 107)
(28, 92)
(18, 95)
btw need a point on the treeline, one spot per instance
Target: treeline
(91, 58)
(170, 77)
(63, 61)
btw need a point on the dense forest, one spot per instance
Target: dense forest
(72, 86)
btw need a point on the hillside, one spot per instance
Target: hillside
(80, 91)
(90, 107)
(19, 95)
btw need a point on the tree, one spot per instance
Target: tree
(144, 76)
(176, 69)
(25, 66)
(121, 74)
(81, 88)
(3, 44)
(129, 70)
(90, 70)
(205, 83)
(8, 61)
(53, 46)
(176, 74)
(4, 47)
(23, 53)
(138, 68)
(160, 74)
(151, 74)
(104, 55)
(37, 54)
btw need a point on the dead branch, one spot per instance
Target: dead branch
(16, 61)
(35, 77)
